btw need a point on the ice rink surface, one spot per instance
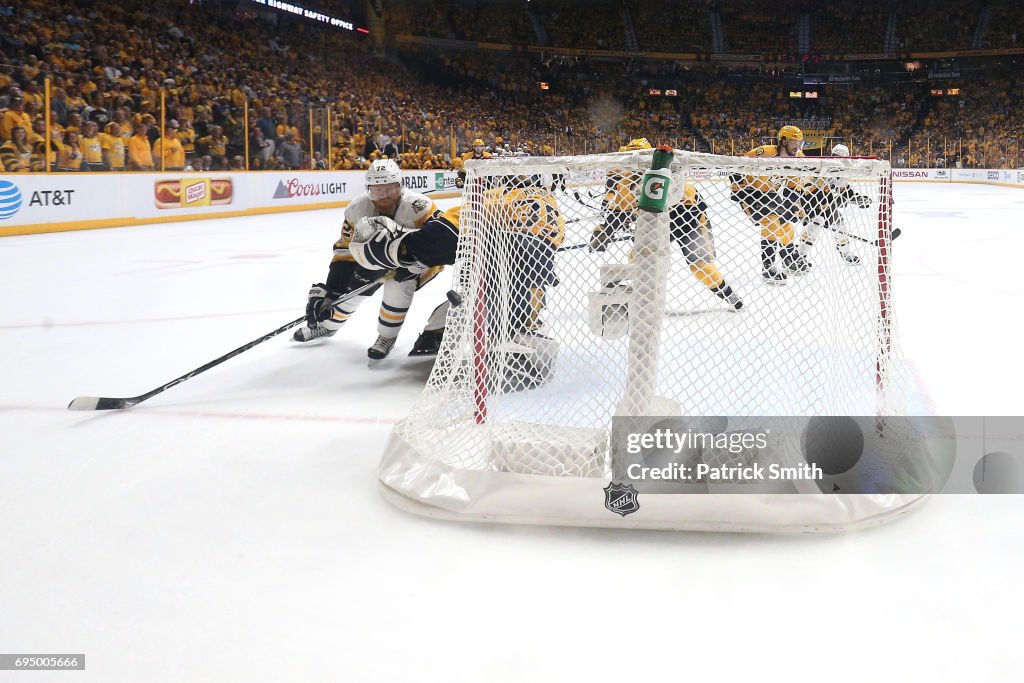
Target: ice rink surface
(230, 529)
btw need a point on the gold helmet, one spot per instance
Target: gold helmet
(478, 143)
(635, 144)
(790, 133)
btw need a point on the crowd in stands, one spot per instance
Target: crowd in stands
(686, 29)
(150, 86)
(849, 27)
(748, 26)
(922, 29)
(1005, 25)
(597, 23)
(756, 27)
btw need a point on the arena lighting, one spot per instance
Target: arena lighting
(309, 14)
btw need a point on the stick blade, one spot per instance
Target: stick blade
(896, 233)
(98, 403)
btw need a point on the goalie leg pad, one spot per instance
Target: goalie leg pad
(529, 361)
(438, 317)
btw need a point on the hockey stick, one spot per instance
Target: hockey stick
(103, 403)
(584, 245)
(582, 218)
(577, 197)
(895, 233)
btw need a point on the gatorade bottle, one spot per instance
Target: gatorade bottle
(654, 186)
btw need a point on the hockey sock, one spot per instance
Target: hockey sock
(722, 291)
(788, 254)
(810, 234)
(767, 254)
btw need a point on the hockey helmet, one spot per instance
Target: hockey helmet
(478, 143)
(840, 151)
(635, 144)
(790, 133)
(383, 172)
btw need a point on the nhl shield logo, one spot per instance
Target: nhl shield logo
(621, 499)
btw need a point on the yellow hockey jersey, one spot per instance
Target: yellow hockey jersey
(622, 191)
(766, 183)
(531, 210)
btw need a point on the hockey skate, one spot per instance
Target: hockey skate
(428, 343)
(795, 262)
(848, 258)
(771, 276)
(308, 334)
(726, 294)
(381, 348)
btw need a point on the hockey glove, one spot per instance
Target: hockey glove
(862, 201)
(377, 242)
(318, 307)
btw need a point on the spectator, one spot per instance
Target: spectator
(290, 153)
(214, 145)
(140, 154)
(69, 155)
(187, 136)
(96, 112)
(168, 148)
(15, 117)
(16, 154)
(114, 147)
(92, 148)
(261, 149)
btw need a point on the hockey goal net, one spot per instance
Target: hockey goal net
(577, 309)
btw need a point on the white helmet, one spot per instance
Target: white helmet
(840, 151)
(383, 172)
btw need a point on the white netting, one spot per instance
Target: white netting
(576, 308)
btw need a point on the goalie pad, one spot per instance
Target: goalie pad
(529, 360)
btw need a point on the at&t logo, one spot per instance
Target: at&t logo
(10, 199)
